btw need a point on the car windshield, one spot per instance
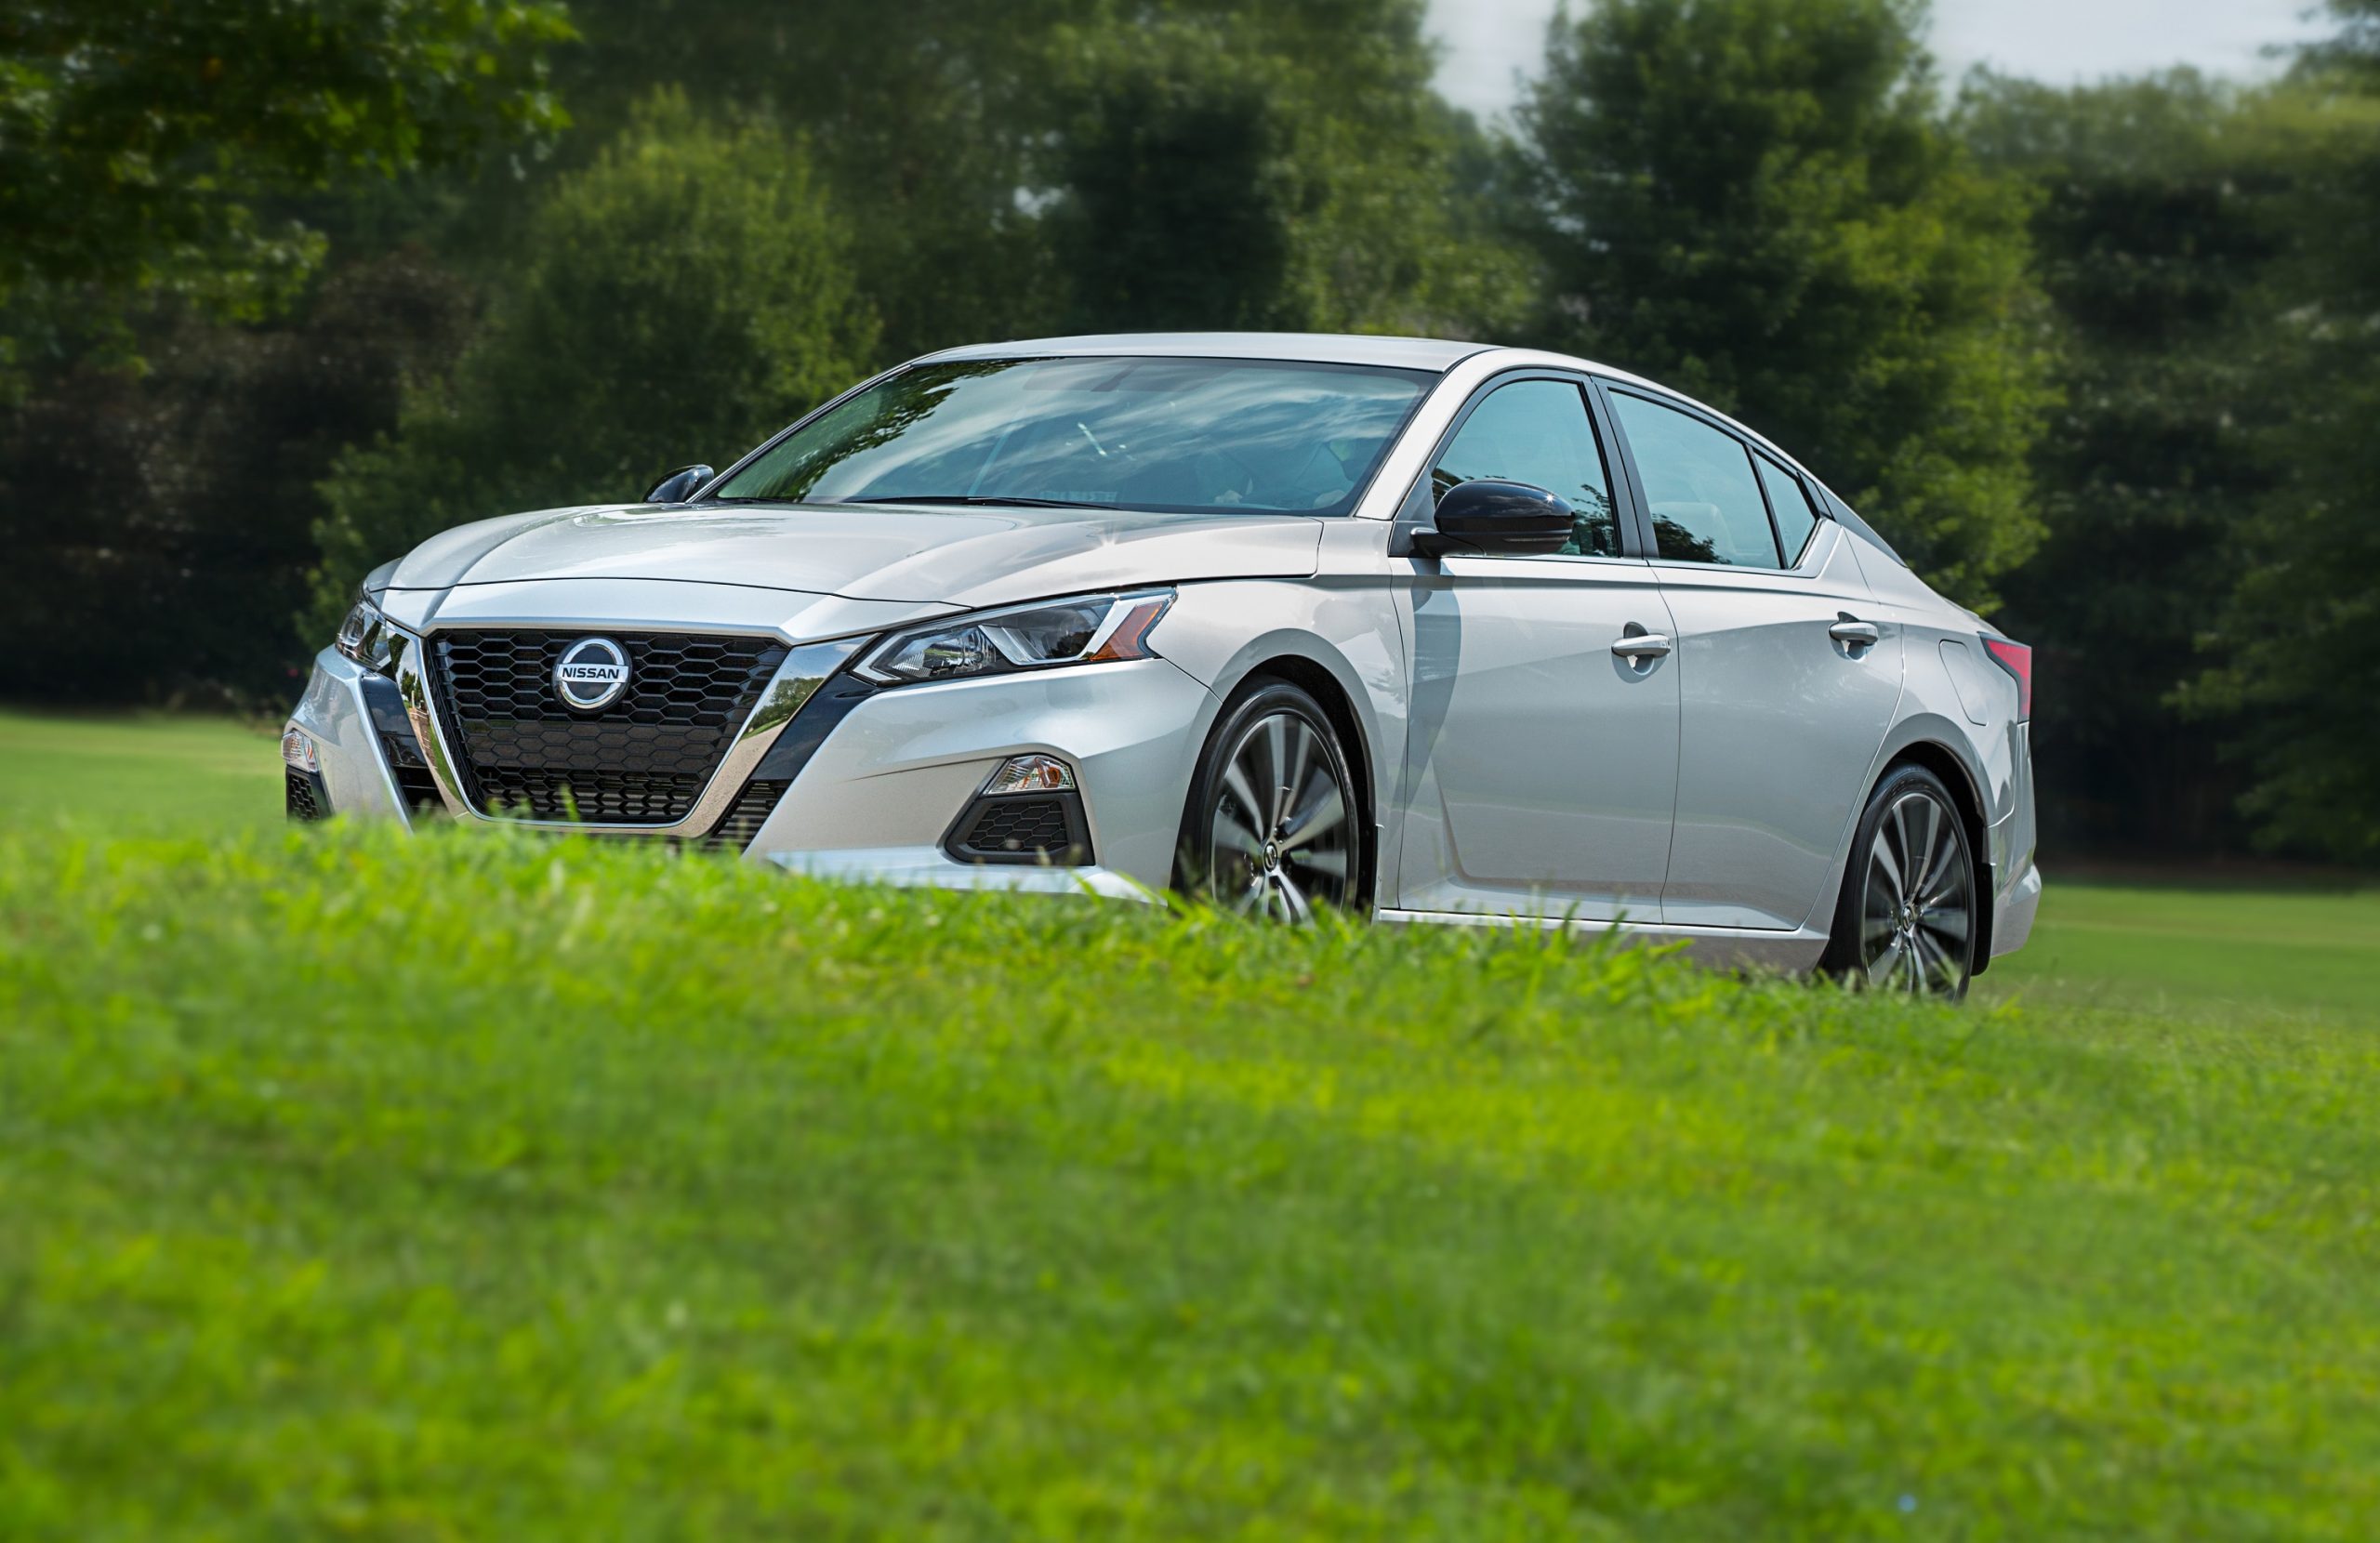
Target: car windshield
(1186, 435)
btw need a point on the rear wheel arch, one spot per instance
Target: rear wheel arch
(1945, 763)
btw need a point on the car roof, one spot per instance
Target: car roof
(1404, 353)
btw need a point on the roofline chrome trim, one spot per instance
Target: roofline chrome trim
(804, 669)
(1432, 354)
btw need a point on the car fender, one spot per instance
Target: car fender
(1948, 734)
(1347, 627)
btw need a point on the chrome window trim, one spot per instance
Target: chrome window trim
(804, 669)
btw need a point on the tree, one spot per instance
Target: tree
(2295, 655)
(141, 142)
(1282, 169)
(1754, 199)
(995, 162)
(158, 524)
(684, 295)
(918, 115)
(2155, 229)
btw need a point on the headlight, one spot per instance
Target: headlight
(1093, 629)
(364, 637)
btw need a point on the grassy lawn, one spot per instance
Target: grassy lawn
(154, 772)
(475, 1186)
(2200, 952)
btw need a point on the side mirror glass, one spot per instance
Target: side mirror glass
(1490, 515)
(679, 485)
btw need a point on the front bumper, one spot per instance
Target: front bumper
(357, 779)
(876, 778)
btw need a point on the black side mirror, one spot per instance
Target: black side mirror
(1489, 516)
(679, 485)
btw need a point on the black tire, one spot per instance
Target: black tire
(1273, 827)
(1894, 931)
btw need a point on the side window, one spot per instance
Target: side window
(1537, 432)
(1795, 519)
(1706, 503)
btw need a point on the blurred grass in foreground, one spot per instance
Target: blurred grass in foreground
(481, 1186)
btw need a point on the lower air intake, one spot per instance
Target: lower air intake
(1035, 828)
(301, 795)
(746, 815)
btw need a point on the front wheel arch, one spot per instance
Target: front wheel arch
(1317, 681)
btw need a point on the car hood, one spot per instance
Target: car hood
(916, 554)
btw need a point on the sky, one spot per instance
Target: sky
(1488, 42)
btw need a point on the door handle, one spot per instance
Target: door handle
(1642, 646)
(1855, 633)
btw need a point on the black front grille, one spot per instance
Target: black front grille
(644, 759)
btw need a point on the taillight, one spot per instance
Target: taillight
(2017, 660)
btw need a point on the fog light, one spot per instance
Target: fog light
(298, 749)
(1035, 773)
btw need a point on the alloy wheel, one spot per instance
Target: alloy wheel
(1917, 916)
(1280, 838)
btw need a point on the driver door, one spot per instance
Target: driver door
(1542, 768)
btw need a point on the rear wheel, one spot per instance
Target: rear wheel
(1271, 830)
(1905, 920)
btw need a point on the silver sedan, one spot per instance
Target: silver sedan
(1430, 631)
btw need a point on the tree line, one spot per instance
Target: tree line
(289, 287)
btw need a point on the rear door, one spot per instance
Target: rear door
(1788, 673)
(1541, 765)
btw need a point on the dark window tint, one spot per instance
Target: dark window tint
(1706, 503)
(1537, 431)
(1795, 519)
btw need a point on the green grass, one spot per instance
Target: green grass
(474, 1186)
(155, 772)
(2197, 952)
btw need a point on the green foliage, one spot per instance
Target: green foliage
(1753, 200)
(1040, 165)
(2295, 655)
(1261, 168)
(683, 296)
(921, 118)
(139, 143)
(159, 525)
(479, 1186)
(2210, 257)
(2354, 52)
(2156, 229)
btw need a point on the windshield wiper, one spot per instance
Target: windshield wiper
(987, 499)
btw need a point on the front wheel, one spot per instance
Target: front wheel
(1271, 827)
(1905, 920)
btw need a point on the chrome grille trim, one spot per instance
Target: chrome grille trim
(805, 669)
